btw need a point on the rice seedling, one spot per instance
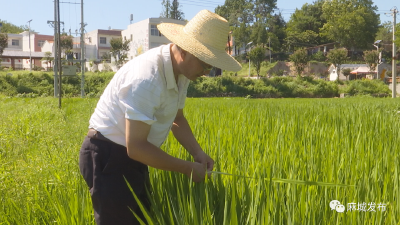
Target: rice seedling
(277, 161)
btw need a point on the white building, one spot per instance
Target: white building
(22, 47)
(97, 43)
(144, 35)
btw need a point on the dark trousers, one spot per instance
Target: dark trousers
(105, 166)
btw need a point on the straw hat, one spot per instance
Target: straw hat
(205, 36)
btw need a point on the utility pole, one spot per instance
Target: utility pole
(83, 61)
(394, 72)
(59, 53)
(269, 41)
(30, 56)
(55, 63)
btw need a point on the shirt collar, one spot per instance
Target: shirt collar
(168, 70)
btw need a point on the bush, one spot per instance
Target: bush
(374, 88)
(41, 84)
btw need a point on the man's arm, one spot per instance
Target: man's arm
(141, 150)
(183, 133)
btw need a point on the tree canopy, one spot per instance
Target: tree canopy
(337, 57)
(257, 56)
(119, 50)
(352, 23)
(171, 9)
(248, 19)
(303, 28)
(11, 28)
(300, 59)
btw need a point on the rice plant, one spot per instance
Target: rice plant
(277, 161)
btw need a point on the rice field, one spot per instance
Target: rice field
(290, 158)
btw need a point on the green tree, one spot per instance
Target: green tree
(352, 23)
(276, 33)
(119, 50)
(372, 59)
(171, 9)
(3, 43)
(12, 29)
(300, 60)
(48, 59)
(66, 43)
(257, 56)
(259, 34)
(337, 57)
(239, 16)
(262, 9)
(385, 33)
(303, 28)
(397, 34)
(244, 16)
(346, 72)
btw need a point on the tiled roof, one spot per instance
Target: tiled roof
(22, 54)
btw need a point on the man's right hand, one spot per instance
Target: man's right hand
(197, 171)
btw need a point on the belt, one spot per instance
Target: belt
(97, 135)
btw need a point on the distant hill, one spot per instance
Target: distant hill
(11, 28)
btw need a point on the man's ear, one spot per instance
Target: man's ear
(183, 54)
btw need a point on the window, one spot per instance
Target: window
(15, 42)
(41, 43)
(154, 31)
(103, 40)
(131, 37)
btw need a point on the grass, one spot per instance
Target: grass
(342, 141)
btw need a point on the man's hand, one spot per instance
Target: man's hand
(203, 158)
(197, 172)
(198, 169)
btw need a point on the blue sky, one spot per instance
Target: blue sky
(102, 14)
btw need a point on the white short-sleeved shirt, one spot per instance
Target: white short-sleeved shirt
(144, 89)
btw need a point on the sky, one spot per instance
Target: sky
(105, 14)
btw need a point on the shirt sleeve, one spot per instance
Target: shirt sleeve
(141, 99)
(183, 94)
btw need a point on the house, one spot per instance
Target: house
(22, 47)
(360, 71)
(144, 35)
(333, 73)
(97, 44)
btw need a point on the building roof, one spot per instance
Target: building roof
(22, 54)
(110, 32)
(362, 70)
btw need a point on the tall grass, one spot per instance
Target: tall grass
(344, 141)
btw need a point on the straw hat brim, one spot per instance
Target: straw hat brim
(208, 54)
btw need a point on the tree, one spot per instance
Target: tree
(300, 60)
(346, 72)
(385, 33)
(119, 50)
(397, 34)
(171, 10)
(259, 34)
(245, 15)
(352, 23)
(337, 57)
(66, 43)
(3, 43)
(257, 56)
(276, 33)
(12, 29)
(303, 28)
(263, 9)
(372, 59)
(48, 59)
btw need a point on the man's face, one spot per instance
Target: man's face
(195, 68)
